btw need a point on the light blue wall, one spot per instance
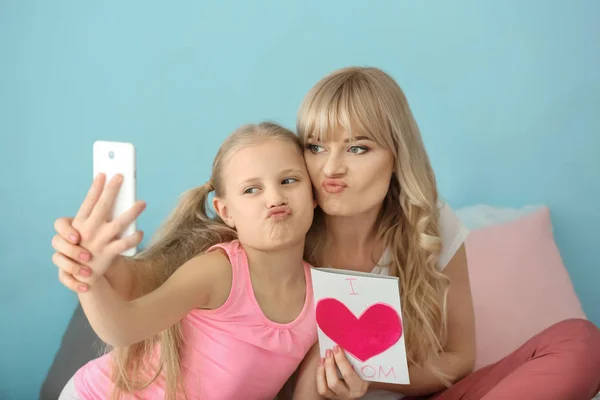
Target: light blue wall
(507, 95)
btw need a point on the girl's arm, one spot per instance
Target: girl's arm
(203, 282)
(306, 384)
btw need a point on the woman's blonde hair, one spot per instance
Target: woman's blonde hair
(187, 232)
(367, 101)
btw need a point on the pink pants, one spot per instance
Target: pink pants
(560, 363)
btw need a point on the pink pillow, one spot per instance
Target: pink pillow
(519, 284)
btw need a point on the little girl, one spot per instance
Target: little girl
(232, 322)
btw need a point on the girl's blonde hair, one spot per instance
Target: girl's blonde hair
(367, 101)
(187, 232)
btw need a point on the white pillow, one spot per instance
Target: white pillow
(482, 215)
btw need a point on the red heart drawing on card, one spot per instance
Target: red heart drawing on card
(377, 329)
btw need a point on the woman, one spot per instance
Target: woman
(379, 211)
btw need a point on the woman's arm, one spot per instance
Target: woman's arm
(123, 274)
(458, 357)
(456, 361)
(77, 248)
(123, 277)
(202, 282)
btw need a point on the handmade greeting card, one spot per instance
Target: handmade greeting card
(361, 313)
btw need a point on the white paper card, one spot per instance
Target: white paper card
(361, 313)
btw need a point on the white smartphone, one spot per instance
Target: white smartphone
(113, 158)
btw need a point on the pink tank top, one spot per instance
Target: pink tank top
(233, 352)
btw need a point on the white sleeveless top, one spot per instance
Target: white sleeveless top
(453, 234)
